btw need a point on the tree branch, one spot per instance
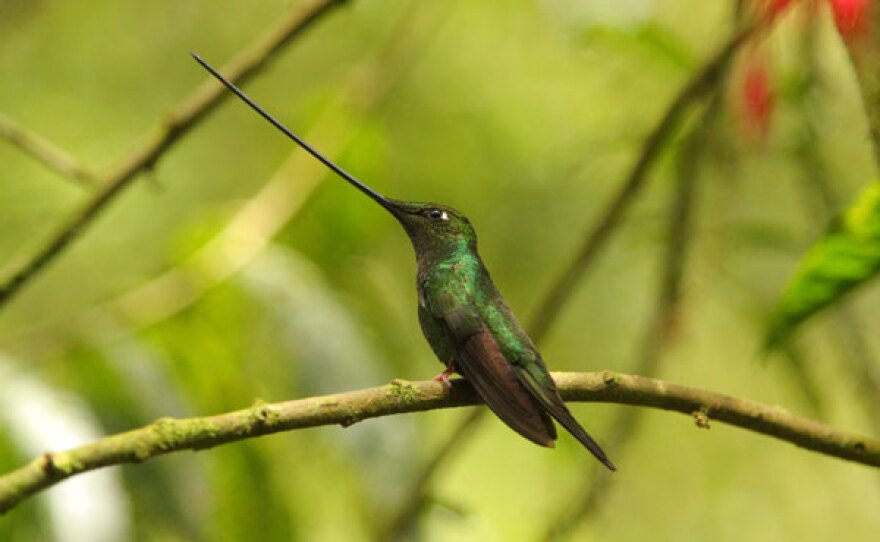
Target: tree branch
(168, 435)
(177, 122)
(46, 152)
(575, 509)
(864, 51)
(699, 85)
(401, 525)
(246, 235)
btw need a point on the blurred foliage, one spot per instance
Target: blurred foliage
(842, 259)
(526, 115)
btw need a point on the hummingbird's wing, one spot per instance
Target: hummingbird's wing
(520, 391)
(479, 359)
(537, 380)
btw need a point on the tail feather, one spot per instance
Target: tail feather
(548, 396)
(567, 421)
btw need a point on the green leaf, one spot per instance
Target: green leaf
(845, 257)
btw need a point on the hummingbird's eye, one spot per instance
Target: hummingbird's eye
(437, 215)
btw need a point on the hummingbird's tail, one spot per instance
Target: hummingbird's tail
(548, 396)
(564, 417)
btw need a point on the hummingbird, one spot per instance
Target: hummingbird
(465, 320)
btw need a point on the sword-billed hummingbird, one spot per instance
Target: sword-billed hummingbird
(465, 320)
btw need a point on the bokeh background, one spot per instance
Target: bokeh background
(236, 270)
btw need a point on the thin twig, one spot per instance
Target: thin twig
(864, 51)
(168, 435)
(662, 327)
(699, 85)
(403, 521)
(179, 121)
(46, 152)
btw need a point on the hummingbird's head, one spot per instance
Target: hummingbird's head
(434, 229)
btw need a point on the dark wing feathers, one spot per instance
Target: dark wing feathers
(479, 360)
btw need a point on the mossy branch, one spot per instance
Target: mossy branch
(168, 435)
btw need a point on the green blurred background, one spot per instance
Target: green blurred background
(284, 282)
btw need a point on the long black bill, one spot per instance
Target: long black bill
(379, 198)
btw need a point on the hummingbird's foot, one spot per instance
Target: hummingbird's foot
(444, 378)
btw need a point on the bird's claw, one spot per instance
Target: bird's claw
(444, 378)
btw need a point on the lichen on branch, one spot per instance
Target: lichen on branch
(168, 435)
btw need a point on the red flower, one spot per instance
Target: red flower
(757, 98)
(851, 16)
